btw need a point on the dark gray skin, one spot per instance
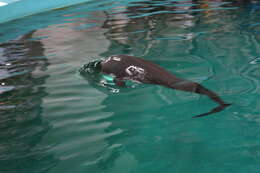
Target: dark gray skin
(124, 67)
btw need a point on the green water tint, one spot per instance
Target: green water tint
(54, 120)
(108, 78)
(92, 72)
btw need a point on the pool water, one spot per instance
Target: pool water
(54, 120)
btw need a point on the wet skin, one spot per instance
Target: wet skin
(125, 67)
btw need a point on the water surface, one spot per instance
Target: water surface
(53, 120)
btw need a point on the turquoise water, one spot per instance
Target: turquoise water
(16, 9)
(54, 120)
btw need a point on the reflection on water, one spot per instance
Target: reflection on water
(52, 120)
(22, 90)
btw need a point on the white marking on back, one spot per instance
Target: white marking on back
(108, 59)
(116, 58)
(134, 70)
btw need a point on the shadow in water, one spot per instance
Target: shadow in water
(22, 90)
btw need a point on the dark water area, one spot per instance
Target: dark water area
(54, 120)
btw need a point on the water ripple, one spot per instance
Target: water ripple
(58, 121)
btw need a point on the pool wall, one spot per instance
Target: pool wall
(13, 9)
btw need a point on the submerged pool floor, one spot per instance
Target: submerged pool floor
(54, 120)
